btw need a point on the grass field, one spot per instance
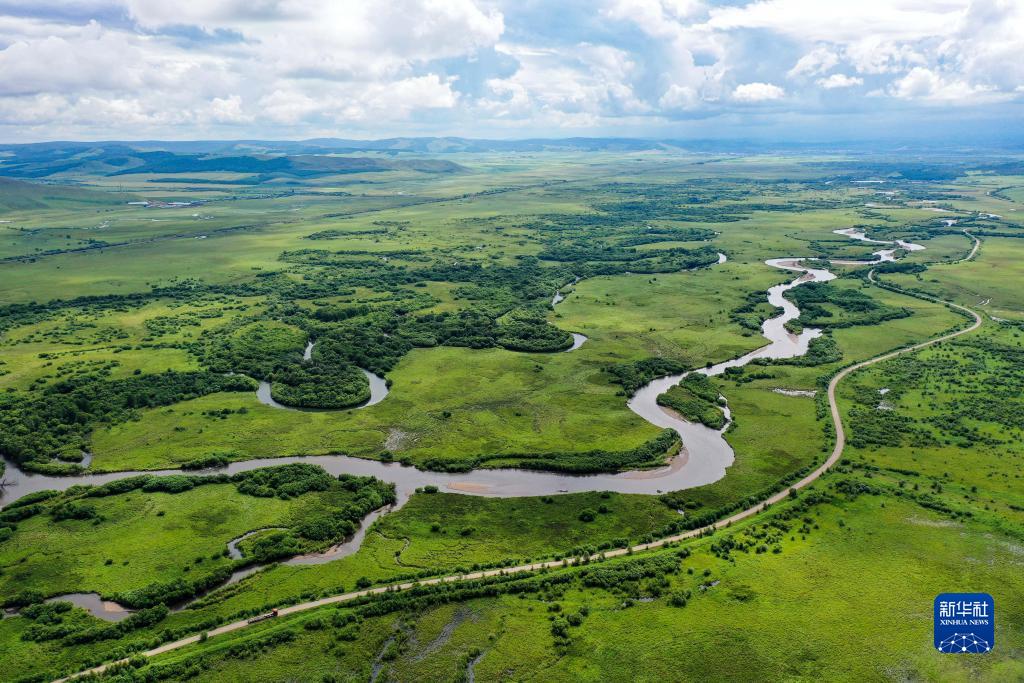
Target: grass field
(71, 556)
(186, 535)
(989, 281)
(423, 278)
(731, 629)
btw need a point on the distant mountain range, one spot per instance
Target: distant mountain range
(273, 160)
(270, 160)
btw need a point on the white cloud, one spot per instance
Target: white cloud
(287, 67)
(287, 106)
(817, 61)
(228, 110)
(402, 97)
(92, 58)
(348, 39)
(823, 21)
(757, 92)
(840, 81)
(989, 43)
(587, 79)
(286, 62)
(339, 104)
(874, 55)
(661, 18)
(679, 97)
(933, 87)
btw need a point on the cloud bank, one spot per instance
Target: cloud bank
(349, 68)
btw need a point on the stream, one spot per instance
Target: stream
(378, 390)
(706, 452)
(704, 458)
(881, 255)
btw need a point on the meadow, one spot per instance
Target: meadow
(142, 353)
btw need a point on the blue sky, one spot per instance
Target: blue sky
(769, 69)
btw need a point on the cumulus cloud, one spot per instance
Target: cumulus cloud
(663, 18)
(757, 92)
(587, 80)
(679, 97)
(814, 20)
(279, 62)
(875, 55)
(290, 68)
(817, 61)
(933, 87)
(840, 81)
(335, 39)
(92, 58)
(228, 110)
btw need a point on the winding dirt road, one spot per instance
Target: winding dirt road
(837, 453)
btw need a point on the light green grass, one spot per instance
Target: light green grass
(149, 537)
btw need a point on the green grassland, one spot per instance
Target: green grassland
(529, 527)
(401, 544)
(948, 416)
(71, 543)
(499, 401)
(824, 589)
(71, 556)
(472, 532)
(149, 338)
(380, 268)
(990, 281)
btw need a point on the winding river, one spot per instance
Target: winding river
(881, 255)
(707, 453)
(704, 459)
(378, 390)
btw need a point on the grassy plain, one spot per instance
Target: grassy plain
(989, 282)
(942, 512)
(185, 534)
(825, 590)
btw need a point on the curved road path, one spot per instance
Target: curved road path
(837, 453)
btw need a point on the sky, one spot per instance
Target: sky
(811, 70)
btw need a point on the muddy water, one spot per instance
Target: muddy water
(882, 255)
(707, 452)
(378, 389)
(509, 483)
(577, 341)
(107, 610)
(347, 547)
(234, 553)
(378, 392)
(513, 482)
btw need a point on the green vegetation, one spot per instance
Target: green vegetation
(132, 337)
(594, 620)
(696, 399)
(55, 423)
(88, 538)
(506, 529)
(635, 375)
(828, 304)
